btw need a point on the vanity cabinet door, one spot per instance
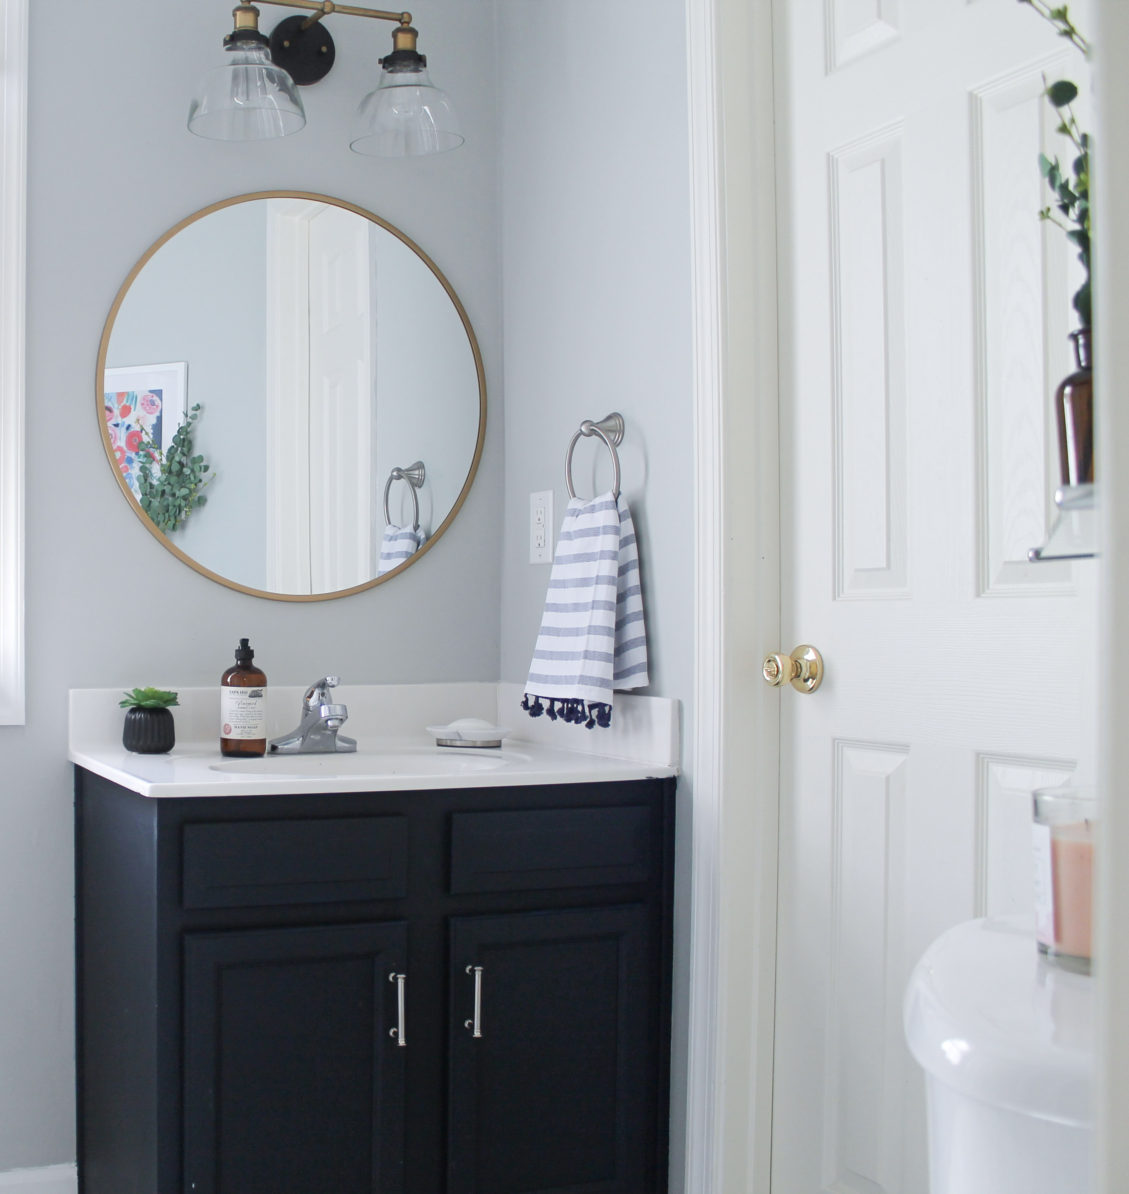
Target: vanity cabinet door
(293, 1079)
(554, 1088)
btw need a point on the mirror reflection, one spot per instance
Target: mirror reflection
(277, 372)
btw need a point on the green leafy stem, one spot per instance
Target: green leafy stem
(1070, 187)
(169, 482)
(1059, 16)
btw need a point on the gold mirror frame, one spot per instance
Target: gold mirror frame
(123, 484)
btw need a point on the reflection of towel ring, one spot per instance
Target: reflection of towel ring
(414, 474)
(610, 430)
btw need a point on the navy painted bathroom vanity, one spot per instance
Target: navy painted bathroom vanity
(453, 991)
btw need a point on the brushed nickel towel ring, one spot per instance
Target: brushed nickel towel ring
(415, 475)
(610, 430)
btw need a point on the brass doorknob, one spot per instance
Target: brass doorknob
(803, 669)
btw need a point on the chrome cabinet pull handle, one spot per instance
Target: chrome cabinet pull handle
(475, 1026)
(397, 1032)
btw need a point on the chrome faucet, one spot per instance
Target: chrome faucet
(317, 731)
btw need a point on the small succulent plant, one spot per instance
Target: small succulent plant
(148, 698)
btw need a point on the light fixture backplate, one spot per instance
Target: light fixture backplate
(306, 54)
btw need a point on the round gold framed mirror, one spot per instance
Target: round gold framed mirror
(291, 396)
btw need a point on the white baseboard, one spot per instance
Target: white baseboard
(50, 1179)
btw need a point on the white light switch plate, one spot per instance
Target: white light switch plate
(541, 527)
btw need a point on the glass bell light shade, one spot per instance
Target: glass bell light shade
(246, 99)
(406, 116)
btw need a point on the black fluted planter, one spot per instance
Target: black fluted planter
(149, 731)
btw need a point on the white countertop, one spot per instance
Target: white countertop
(394, 752)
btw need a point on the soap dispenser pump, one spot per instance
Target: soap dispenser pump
(243, 707)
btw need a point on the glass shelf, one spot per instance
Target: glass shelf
(1074, 535)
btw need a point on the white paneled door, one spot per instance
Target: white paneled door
(924, 322)
(342, 404)
(321, 373)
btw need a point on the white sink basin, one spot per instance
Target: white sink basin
(437, 761)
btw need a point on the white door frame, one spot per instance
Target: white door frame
(1112, 307)
(735, 738)
(735, 756)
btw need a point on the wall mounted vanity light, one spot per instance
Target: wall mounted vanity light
(254, 94)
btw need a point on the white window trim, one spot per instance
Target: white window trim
(13, 286)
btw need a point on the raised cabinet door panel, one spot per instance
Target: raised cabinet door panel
(293, 1083)
(558, 1093)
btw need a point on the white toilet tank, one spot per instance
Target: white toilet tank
(1006, 1041)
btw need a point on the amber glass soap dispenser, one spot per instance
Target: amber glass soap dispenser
(243, 707)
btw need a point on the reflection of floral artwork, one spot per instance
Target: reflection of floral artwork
(132, 418)
(143, 404)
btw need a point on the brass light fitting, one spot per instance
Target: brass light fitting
(303, 47)
(253, 97)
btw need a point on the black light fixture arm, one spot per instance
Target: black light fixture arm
(303, 47)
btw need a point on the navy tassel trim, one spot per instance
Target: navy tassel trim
(570, 710)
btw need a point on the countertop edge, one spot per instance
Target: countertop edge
(543, 767)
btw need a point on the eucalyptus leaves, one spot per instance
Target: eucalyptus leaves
(169, 482)
(1070, 186)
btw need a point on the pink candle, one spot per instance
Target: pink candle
(1072, 876)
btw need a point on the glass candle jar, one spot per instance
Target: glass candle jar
(1064, 829)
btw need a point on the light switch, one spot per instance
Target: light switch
(541, 527)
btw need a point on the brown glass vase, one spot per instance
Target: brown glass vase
(1074, 416)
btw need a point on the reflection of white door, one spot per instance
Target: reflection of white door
(342, 422)
(923, 321)
(321, 357)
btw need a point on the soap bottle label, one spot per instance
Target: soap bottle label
(243, 713)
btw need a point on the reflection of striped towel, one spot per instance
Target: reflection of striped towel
(399, 544)
(592, 636)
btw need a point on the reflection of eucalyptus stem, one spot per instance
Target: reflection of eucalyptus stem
(170, 482)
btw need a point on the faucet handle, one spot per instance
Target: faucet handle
(318, 694)
(334, 716)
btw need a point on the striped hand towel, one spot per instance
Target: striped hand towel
(592, 637)
(398, 545)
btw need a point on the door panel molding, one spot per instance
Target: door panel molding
(862, 1084)
(1003, 882)
(846, 38)
(1019, 269)
(868, 366)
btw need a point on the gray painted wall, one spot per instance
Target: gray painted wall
(111, 168)
(596, 286)
(441, 388)
(193, 303)
(580, 223)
